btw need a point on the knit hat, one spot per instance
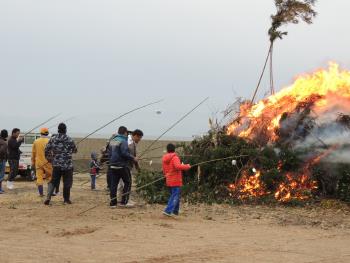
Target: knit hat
(94, 155)
(62, 128)
(44, 131)
(4, 134)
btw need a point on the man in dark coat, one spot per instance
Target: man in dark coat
(14, 154)
(59, 151)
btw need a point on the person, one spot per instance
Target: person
(94, 170)
(172, 169)
(133, 139)
(59, 151)
(3, 156)
(43, 169)
(136, 137)
(104, 159)
(14, 154)
(120, 157)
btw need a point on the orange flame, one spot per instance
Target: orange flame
(249, 186)
(328, 90)
(296, 186)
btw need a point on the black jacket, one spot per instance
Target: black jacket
(13, 148)
(3, 149)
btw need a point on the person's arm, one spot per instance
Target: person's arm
(74, 148)
(48, 149)
(33, 154)
(124, 151)
(18, 143)
(3, 150)
(179, 166)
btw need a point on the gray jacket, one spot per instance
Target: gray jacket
(133, 151)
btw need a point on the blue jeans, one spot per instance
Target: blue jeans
(2, 170)
(174, 201)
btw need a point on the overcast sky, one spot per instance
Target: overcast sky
(96, 59)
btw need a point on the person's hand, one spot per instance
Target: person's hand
(20, 138)
(136, 159)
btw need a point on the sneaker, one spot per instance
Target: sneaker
(47, 202)
(56, 194)
(1, 192)
(113, 205)
(131, 203)
(68, 202)
(9, 185)
(167, 214)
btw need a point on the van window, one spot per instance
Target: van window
(29, 139)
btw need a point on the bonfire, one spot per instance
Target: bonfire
(312, 113)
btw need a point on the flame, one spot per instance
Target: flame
(249, 186)
(327, 92)
(295, 186)
(323, 93)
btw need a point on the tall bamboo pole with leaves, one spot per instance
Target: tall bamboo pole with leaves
(287, 11)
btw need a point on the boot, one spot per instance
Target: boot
(50, 189)
(41, 190)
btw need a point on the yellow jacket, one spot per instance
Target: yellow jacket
(38, 152)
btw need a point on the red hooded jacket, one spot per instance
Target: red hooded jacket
(172, 169)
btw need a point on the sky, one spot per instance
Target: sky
(96, 59)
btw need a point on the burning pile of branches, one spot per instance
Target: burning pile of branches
(312, 115)
(288, 147)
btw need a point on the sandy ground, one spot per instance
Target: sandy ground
(31, 232)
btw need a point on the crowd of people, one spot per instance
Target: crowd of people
(52, 159)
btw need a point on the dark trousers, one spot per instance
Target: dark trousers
(13, 169)
(115, 176)
(109, 178)
(93, 181)
(67, 176)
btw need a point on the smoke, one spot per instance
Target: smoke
(321, 137)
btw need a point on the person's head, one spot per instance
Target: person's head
(170, 148)
(123, 131)
(4, 134)
(94, 156)
(62, 128)
(44, 131)
(16, 132)
(137, 135)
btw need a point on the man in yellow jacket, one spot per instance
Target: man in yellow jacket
(42, 166)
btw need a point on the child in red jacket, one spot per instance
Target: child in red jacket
(172, 169)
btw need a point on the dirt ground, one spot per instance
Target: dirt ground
(31, 232)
